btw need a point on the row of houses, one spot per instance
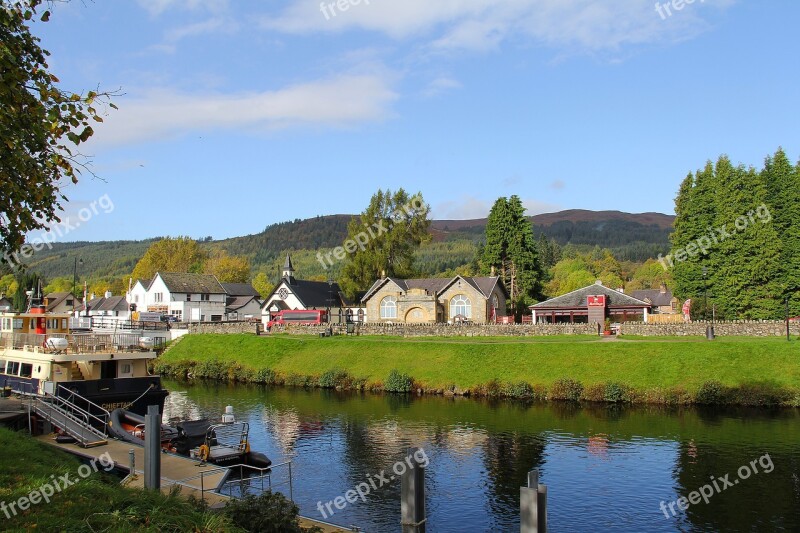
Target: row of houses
(190, 297)
(479, 300)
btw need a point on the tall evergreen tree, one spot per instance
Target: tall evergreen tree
(782, 180)
(511, 249)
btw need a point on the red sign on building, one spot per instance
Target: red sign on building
(597, 301)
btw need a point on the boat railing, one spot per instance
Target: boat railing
(93, 414)
(80, 343)
(233, 436)
(254, 480)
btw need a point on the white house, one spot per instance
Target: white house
(138, 294)
(297, 294)
(108, 307)
(190, 297)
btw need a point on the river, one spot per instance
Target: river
(606, 467)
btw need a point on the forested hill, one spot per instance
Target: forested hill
(630, 236)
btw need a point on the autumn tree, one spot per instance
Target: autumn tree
(262, 284)
(41, 128)
(385, 237)
(227, 268)
(179, 254)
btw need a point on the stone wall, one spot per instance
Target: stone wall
(445, 330)
(771, 328)
(225, 328)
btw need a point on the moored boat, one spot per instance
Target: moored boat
(40, 356)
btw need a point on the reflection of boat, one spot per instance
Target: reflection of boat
(223, 444)
(40, 356)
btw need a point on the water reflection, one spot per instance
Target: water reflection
(605, 467)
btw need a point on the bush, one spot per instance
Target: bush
(760, 394)
(397, 382)
(566, 389)
(266, 376)
(241, 374)
(296, 380)
(212, 370)
(269, 512)
(335, 378)
(711, 393)
(521, 390)
(616, 393)
(492, 389)
(594, 393)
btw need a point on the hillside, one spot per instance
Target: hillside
(629, 236)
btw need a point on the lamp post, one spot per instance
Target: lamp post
(330, 298)
(74, 278)
(788, 338)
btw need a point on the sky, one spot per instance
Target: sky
(234, 115)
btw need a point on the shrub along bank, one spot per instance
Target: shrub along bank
(743, 371)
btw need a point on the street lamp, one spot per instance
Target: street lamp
(74, 277)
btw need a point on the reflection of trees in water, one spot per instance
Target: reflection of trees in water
(508, 457)
(746, 506)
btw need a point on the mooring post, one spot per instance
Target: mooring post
(412, 493)
(132, 462)
(152, 448)
(533, 505)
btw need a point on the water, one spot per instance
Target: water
(606, 468)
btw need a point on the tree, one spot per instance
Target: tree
(26, 281)
(180, 254)
(262, 284)
(62, 284)
(511, 250)
(41, 128)
(383, 239)
(227, 268)
(650, 275)
(8, 285)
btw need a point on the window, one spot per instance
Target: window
(27, 370)
(460, 305)
(63, 323)
(389, 307)
(176, 312)
(216, 318)
(204, 297)
(69, 302)
(188, 297)
(17, 323)
(136, 299)
(283, 293)
(158, 297)
(12, 368)
(2, 366)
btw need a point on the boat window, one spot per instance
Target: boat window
(12, 368)
(27, 370)
(2, 366)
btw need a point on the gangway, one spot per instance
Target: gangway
(88, 428)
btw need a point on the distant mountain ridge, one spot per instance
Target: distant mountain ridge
(633, 236)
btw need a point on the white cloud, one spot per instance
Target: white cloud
(339, 102)
(588, 25)
(441, 85)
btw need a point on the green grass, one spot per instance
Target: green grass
(467, 363)
(96, 503)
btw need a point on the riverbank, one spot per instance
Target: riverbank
(47, 490)
(736, 371)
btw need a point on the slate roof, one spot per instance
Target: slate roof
(55, 298)
(114, 303)
(313, 294)
(240, 289)
(234, 303)
(577, 299)
(190, 283)
(484, 285)
(145, 283)
(6, 303)
(655, 296)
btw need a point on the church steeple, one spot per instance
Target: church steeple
(288, 270)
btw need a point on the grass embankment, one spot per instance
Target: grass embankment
(94, 503)
(748, 371)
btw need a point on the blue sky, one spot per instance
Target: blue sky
(239, 114)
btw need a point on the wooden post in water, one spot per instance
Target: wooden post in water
(152, 448)
(533, 505)
(412, 493)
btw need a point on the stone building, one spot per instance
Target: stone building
(435, 300)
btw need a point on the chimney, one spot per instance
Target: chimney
(383, 274)
(108, 294)
(663, 288)
(493, 271)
